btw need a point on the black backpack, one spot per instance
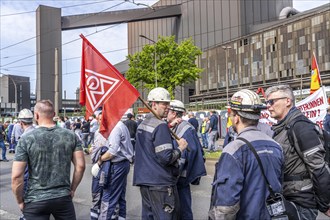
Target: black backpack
(323, 134)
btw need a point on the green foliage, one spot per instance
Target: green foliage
(175, 64)
(212, 155)
(83, 110)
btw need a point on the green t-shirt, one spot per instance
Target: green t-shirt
(48, 153)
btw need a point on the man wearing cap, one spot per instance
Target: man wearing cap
(132, 127)
(191, 163)
(156, 166)
(48, 151)
(25, 118)
(239, 190)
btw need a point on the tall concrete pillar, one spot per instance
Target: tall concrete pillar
(49, 37)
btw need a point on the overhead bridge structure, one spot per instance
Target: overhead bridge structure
(50, 25)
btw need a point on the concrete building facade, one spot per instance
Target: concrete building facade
(247, 40)
(14, 93)
(208, 23)
(280, 53)
(244, 43)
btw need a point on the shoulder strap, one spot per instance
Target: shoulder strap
(290, 126)
(259, 162)
(289, 129)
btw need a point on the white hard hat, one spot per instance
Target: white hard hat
(177, 105)
(159, 95)
(247, 103)
(25, 115)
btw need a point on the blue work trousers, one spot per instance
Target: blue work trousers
(97, 192)
(114, 193)
(205, 141)
(3, 147)
(84, 137)
(160, 203)
(185, 199)
(91, 138)
(12, 146)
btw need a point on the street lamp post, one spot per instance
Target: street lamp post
(155, 62)
(226, 48)
(15, 86)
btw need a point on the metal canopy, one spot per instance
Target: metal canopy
(49, 26)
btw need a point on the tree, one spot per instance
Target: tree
(175, 64)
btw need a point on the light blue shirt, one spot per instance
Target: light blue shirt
(120, 144)
(27, 130)
(17, 132)
(94, 126)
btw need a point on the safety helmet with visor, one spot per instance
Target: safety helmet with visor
(247, 104)
(25, 115)
(176, 105)
(159, 94)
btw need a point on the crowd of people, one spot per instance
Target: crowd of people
(10, 133)
(285, 176)
(262, 173)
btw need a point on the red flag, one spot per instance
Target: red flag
(315, 77)
(102, 84)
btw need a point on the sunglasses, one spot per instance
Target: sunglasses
(272, 101)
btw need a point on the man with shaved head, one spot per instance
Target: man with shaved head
(48, 151)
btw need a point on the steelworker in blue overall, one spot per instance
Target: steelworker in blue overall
(25, 118)
(191, 163)
(120, 154)
(156, 168)
(239, 189)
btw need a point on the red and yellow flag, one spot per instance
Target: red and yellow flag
(315, 76)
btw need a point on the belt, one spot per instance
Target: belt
(160, 188)
(119, 161)
(288, 178)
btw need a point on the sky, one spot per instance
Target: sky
(18, 36)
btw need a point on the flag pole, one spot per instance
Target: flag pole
(153, 112)
(318, 70)
(301, 85)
